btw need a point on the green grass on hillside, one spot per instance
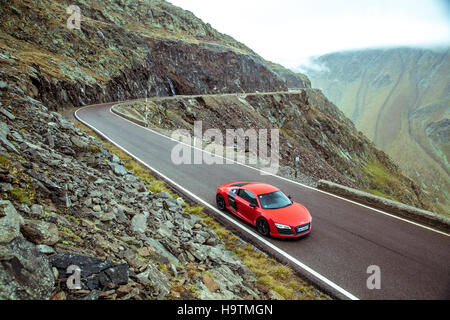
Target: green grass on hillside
(380, 194)
(380, 178)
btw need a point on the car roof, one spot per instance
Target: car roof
(259, 188)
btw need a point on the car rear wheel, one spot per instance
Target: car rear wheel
(263, 227)
(220, 202)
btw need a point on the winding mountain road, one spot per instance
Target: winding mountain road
(346, 238)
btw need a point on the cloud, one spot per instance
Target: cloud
(311, 64)
(290, 31)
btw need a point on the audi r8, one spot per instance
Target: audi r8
(266, 207)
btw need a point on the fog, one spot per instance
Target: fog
(291, 31)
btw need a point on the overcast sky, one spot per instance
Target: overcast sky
(290, 31)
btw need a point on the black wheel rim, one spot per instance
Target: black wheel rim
(220, 202)
(263, 227)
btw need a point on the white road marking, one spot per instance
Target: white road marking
(242, 227)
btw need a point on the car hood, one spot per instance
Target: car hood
(293, 215)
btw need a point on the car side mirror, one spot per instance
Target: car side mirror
(290, 197)
(252, 205)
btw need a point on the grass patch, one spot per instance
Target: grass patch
(380, 194)
(157, 186)
(95, 149)
(195, 210)
(70, 233)
(4, 161)
(22, 195)
(276, 276)
(378, 173)
(284, 291)
(382, 181)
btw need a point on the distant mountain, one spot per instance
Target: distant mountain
(399, 98)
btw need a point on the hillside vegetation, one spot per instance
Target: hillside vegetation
(400, 99)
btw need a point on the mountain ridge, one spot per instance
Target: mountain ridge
(132, 45)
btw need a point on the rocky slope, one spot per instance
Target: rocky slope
(399, 98)
(67, 201)
(124, 50)
(311, 127)
(294, 80)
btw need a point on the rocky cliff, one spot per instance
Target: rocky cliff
(124, 50)
(399, 98)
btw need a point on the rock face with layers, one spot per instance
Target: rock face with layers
(125, 50)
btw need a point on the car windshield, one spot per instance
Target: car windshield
(274, 200)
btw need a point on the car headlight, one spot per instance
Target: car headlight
(282, 226)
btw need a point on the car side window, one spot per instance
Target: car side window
(248, 196)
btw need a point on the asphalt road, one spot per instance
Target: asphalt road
(346, 238)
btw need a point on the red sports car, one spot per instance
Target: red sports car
(266, 207)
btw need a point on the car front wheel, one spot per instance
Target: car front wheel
(220, 202)
(263, 227)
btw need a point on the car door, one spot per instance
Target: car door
(243, 201)
(232, 198)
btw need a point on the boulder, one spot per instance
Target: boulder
(4, 132)
(118, 169)
(104, 216)
(80, 142)
(139, 223)
(96, 274)
(37, 210)
(25, 273)
(10, 222)
(7, 114)
(40, 232)
(157, 280)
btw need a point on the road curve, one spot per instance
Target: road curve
(345, 240)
